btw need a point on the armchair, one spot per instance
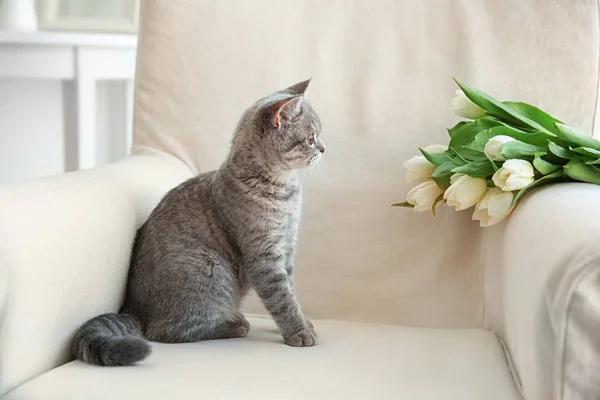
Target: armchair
(406, 306)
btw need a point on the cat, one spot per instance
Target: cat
(214, 237)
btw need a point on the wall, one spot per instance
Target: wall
(32, 138)
(31, 129)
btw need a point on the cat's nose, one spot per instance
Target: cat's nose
(322, 149)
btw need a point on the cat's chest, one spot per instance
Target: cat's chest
(281, 202)
(282, 214)
(274, 217)
(266, 210)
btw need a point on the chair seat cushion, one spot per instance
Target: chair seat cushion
(352, 361)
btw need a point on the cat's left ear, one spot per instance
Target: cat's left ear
(300, 88)
(287, 109)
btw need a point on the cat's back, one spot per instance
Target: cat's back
(189, 196)
(184, 216)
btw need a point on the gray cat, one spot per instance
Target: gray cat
(213, 237)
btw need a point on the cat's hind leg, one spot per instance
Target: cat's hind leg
(203, 330)
(237, 327)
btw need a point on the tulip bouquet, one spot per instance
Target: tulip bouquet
(502, 150)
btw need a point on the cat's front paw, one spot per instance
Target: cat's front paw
(310, 325)
(304, 338)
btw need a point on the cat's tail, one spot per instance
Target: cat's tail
(111, 339)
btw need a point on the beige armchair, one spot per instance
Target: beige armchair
(406, 306)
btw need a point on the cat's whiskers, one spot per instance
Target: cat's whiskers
(320, 173)
(304, 174)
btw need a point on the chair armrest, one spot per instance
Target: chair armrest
(549, 256)
(65, 244)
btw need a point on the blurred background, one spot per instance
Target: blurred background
(66, 84)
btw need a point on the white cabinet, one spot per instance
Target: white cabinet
(66, 101)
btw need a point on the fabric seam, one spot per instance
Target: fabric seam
(597, 102)
(485, 269)
(561, 339)
(511, 366)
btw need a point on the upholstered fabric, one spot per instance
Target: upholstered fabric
(578, 357)
(354, 361)
(550, 260)
(382, 85)
(577, 377)
(64, 253)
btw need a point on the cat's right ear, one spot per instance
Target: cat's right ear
(288, 109)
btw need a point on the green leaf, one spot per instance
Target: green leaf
(435, 158)
(560, 151)
(555, 176)
(593, 162)
(518, 149)
(500, 110)
(458, 160)
(544, 166)
(403, 204)
(434, 205)
(441, 175)
(466, 134)
(483, 137)
(587, 151)
(496, 168)
(534, 113)
(580, 171)
(521, 129)
(481, 168)
(456, 127)
(576, 138)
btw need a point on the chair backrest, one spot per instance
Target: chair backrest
(382, 85)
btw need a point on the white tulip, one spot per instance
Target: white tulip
(514, 175)
(464, 107)
(418, 169)
(436, 148)
(423, 196)
(493, 148)
(464, 191)
(494, 207)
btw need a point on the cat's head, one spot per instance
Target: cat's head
(283, 130)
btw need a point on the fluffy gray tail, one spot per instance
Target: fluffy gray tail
(111, 339)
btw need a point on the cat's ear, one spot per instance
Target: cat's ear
(299, 88)
(287, 109)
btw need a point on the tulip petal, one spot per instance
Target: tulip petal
(465, 191)
(499, 205)
(423, 196)
(418, 169)
(421, 208)
(436, 148)
(489, 222)
(479, 215)
(516, 182)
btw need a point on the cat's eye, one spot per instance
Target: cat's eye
(311, 140)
